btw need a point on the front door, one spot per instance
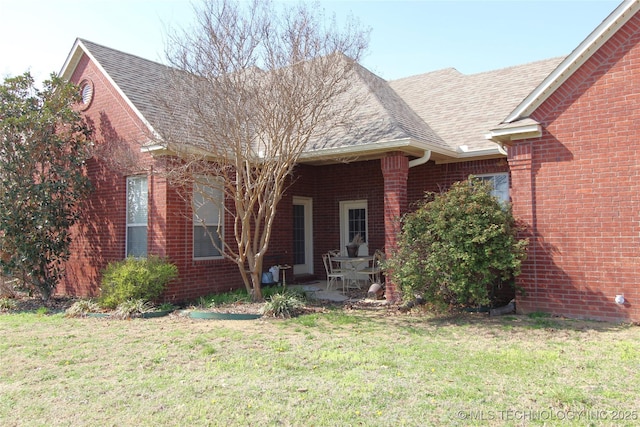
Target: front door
(302, 236)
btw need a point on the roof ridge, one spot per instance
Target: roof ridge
(516, 66)
(121, 52)
(402, 119)
(439, 71)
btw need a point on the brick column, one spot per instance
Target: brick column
(520, 158)
(395, 170)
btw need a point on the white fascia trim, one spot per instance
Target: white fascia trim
(515, 133)
(579, 56)
(481, 153)
(72, 62)
(153, 148)
(360, 149)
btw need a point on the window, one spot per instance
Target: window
(500, 183)
(208, 204)
(353, 221)
(357, 223)
(137, 213)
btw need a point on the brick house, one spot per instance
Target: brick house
(532, 130)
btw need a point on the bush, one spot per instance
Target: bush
(132, 308)
(81, 308)
(456, 246)
(7, 304)
(231, 297)
(286, 304)
(134, 279)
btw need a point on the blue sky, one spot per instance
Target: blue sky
(408, 37)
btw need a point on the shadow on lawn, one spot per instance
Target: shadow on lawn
(421, 315)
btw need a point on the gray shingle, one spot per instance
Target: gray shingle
(462, 108)
(381, 116)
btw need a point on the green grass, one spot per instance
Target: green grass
(324, 369)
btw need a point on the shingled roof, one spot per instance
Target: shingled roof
(380, 117)
(443, 111)
(462, 108)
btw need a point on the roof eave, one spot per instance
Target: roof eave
(575, 60)
(420, 150)
(505, 136)
(71, 62)
(155, 149)
(409, 146)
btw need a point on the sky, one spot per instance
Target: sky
(407, 37)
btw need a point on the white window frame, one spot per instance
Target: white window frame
(211, 226)
(501, 194)
(130, 225)
(345, 206)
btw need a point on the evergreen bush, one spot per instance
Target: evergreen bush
(455, 246)
(135, 279)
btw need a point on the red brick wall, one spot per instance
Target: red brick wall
(439, 177)
(100, 236)
(338, 183)
(197, 277)
(579, 192)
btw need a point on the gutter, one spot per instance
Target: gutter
(408, 145)
(420, 160)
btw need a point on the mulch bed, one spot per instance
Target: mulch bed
(33, 303)
(357, 301)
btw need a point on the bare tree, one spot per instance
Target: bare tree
(252, 87)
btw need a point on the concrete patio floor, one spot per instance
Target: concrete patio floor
(318, 290)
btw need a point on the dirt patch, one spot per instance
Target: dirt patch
(32, 303)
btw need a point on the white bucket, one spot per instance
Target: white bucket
(275, 273)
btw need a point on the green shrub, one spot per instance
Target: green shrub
(7, 304)
(133, 279)
(456, 246)
(285, 304)
(231, 297)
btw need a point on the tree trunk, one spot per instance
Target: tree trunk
(257, 286)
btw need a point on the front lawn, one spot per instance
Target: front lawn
(341, 367)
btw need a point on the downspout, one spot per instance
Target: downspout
(421, 160)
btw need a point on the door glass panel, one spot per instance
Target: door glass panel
(357, 223)
(298, 235)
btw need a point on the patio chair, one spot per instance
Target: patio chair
(374, 271)
(337, 266)
(332, 276)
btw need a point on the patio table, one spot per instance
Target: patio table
(350, 266)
